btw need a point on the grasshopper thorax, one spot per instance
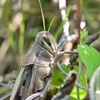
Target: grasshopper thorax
(46, 40)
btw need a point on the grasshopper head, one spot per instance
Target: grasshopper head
(46, 40)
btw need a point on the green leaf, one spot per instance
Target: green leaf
(57, 76)
(82, 94)
(90, 57)
(84, 35)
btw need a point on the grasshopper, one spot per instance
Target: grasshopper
(36, 70)
(35, 73)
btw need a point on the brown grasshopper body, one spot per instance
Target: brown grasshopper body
(36, 68)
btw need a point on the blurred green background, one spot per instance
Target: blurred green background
(20, 21)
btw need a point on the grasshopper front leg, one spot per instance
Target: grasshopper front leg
(44, 92)
(40, 95)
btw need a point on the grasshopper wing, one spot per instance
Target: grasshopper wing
(16, 86)
(24, 84)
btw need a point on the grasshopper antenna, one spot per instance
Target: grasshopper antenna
(51, 22)
(54, 19)
(42, 14)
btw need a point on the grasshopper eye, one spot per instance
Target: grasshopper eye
(46, 39)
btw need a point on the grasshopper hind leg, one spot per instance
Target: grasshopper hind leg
(26, 84)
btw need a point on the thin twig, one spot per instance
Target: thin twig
(78, 78)
(33, 96)
(61, 70)
(67, 97)
(60, 54)
(6, 85)
(65, 74)
(6, 96)
(79, 2)
(92, 38)
(69, 52)
(81, 86)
